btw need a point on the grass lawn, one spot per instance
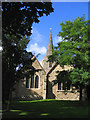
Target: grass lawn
(48, 109)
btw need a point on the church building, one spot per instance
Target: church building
(46, 82)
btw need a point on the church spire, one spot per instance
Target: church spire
(50, 45)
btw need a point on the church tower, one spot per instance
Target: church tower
(48, 65)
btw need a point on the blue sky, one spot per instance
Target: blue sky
(41, 31)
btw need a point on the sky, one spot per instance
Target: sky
(63, 11)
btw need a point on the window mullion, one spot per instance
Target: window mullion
(61, 85)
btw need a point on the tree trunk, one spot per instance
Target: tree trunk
(83, 95)
(9, 100)
(80, 93)
(88, 92)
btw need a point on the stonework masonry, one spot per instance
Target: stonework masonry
(23, 93)
(54, 93)
(47, 76)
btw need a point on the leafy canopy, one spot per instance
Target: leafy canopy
(74, 49)
(18, 17)
(17, 20)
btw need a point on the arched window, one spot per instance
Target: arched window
(68, 85)
(64, 85)
(27, 82)
(32, 81)
(36, 81)
(59, 85)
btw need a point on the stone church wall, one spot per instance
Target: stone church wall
(45, 64)
(23, 93)
(54, 93)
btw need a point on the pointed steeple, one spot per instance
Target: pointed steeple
(50, 46)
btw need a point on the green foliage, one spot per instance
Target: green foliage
(74, 49)
(17, 20)
(80, 76)
(18, 17)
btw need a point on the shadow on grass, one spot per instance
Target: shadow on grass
(47, 109)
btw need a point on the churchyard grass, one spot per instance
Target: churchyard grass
(48, 109)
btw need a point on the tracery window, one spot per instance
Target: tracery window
(59, 85)
(65, 85)
(32, 81)
(27, 82)
(36, 81)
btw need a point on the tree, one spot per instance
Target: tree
(74, 50)
(18, 17)
(17, 20)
